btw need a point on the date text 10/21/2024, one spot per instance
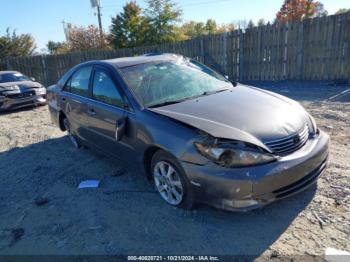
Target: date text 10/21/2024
(173, 258)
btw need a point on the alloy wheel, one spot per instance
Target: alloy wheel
(168, 183)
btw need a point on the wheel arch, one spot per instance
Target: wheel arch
(147, 158)
(61, 117)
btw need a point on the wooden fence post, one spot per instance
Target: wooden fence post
(285, 51)
(44, 69)
(241, 56)
(224, 38)
(300, 50)
(202, 49)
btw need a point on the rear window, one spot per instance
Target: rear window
(79, 82)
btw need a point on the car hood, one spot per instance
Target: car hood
(19, 85)
(242, 113)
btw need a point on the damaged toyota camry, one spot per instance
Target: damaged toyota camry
(197, 136)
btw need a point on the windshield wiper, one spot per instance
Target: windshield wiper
(165, 103)
(214, 92)
(170, 102)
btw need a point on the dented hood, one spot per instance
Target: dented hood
(19, 85)
(242, 113)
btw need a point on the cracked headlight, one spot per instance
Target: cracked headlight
(227, 155)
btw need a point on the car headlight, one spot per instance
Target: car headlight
(227, 155)
(313, 127)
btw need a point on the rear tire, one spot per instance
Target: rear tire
(171, 181)
(72, 137)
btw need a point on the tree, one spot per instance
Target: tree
(297, 10)
(193, 29)
(127, 28)
(320, 11)
(342, 11)
(242, 24)
(226, 28)
(54, 47)
(250, 24)
(261, 22)
(12, 44)
(161, 18)
(211, 27)
(86, 38)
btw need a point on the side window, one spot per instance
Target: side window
(66, 87)
(104, 89)
(79, 82)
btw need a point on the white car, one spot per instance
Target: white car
(18, 90)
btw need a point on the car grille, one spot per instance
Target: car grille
(289, 144)
(21, 95)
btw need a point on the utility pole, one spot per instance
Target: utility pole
(99, 20)
(97, 4)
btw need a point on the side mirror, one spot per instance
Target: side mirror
(33, 79)
(231, 80)
(120, 128)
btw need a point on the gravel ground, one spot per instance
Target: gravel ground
(43, 212)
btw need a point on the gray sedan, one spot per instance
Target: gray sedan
(199, 137)
(18, 90)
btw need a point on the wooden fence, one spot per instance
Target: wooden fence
(315, 49)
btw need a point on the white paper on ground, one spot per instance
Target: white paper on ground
(336, 255)
(89, 184)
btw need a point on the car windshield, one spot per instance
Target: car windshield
(13, 77)
(160, 83)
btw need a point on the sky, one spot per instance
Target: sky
(43, 18)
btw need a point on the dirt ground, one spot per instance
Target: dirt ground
(125, 216)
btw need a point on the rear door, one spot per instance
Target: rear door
(106, 111)
(74, 100)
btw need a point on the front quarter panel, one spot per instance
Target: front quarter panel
(169, 135)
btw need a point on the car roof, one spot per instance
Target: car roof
(8, 72)
(136, 60)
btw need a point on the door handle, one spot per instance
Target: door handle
(91, 112)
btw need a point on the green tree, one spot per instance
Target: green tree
(320, 11)
(128, 27)
(261, 22)
(193, 29)
(211, 27)
(250, 24)
(12, 44)
(342, 11)
(161, 19)
(54, 47)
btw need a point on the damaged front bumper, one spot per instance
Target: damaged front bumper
(252, 187)
(13, 100)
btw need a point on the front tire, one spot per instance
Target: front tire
(170, 180)
(72, 138)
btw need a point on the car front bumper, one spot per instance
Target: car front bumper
(252, 187)
(16, 100)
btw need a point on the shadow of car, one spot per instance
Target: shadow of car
(129, 215)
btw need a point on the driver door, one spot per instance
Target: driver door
(106, 113)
